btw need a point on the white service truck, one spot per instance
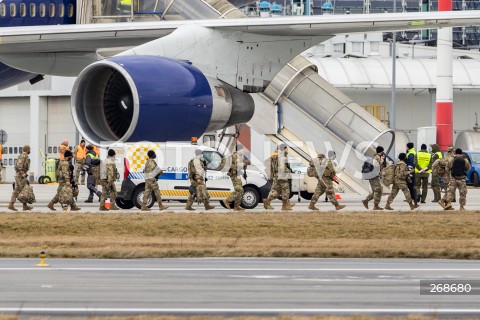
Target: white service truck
(173, 158)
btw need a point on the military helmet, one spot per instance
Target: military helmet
(26, 148)
(321, 156)
(151, 154)
(451, 148)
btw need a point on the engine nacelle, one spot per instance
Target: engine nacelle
(149, 98)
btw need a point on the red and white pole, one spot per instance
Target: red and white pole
(444, 112)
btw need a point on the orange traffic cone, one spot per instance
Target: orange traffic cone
(107, 203)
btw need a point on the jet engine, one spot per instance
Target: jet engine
(151, 98)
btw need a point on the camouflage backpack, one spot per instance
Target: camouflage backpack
(439, 166)
(27, 195)
(191, 170)
(388, 174)
(311, 172)
(65, 194)
(271, 167)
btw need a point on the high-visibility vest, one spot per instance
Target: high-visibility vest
(126, 2)
(439, 154)
(81, 152)
(423, 160)
(61, 151)
(97, 150)
(409, 152)
(93, 156)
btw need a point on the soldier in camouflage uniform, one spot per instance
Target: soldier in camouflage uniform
(435, 184)
(280, 171)
(152, 171)
(21, 170)
(379, 161)
(80, 155)
(402, 173)
(64, 191)
(446, 175)
(198, 189)
(109, 176)
(458, 167)
(1, 162)
(234, 173)
(326, 170)
(92, 166)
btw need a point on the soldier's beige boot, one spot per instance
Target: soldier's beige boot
(387, 206)
(237, 207)
(442, 203)
(144, 208)
(209, 207)
(339, 207)
(74, 207)
(448, 206)
(286, 206)
(26, 207)
(103, 208)
(312, 207)
(365, 203)
(462, 208)
(189, 206)
(113, 206)
(162, 207)
(50, 206)
(266, 204)
(226, 204)
(377, 207)
(11, 207)
(413, 206)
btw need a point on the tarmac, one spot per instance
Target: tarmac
(44, 193)
(236, 286)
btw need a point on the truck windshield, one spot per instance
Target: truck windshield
(475, 157)
(213, 159)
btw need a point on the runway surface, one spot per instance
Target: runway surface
(44, 193)
(232, 286)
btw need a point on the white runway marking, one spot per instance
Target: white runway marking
(228, 269)
(236, 310)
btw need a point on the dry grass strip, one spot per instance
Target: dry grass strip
(347, 234)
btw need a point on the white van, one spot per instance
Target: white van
(173, 158)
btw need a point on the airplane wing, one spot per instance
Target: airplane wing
(91, 37)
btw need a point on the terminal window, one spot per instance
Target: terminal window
(377, 111)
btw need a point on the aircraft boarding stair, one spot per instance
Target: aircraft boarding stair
(303, 109)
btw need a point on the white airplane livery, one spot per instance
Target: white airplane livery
(178, 79)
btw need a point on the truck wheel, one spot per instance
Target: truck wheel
(40, 179)
(138, 197)
(251, 198)
(476, 180)
(306, 195)
(124, 204)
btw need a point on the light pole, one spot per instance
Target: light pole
(415, 37)
(394, 82)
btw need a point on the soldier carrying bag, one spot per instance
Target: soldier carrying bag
(27, 195)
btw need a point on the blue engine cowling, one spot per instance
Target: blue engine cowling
(150, 98)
